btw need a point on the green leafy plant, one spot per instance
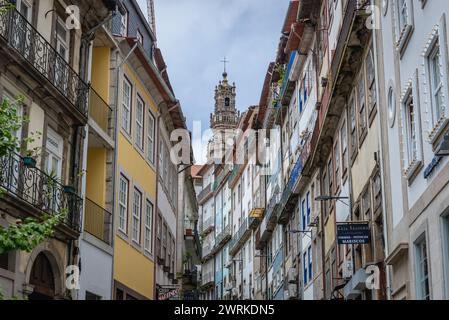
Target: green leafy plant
(28, 234)
(6, 7)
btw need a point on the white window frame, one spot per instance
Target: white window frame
(403, 33)
(137, 215)
(140, 122)
(150, 137)
(420, 277)
(126, 106)
(54, 152)
(123, 204)
(411, 158)
(437, 39)
(149, 218)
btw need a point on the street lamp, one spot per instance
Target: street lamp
(330, 198)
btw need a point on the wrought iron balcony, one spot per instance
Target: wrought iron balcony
(289, 197)
(241, 236)
(222, 239)
(37, 189)
(98, 222)
(270, 218)
(100, 112)
(208, 226)
(207, 251)
(288, 86)
(207, 279)
(31, 46)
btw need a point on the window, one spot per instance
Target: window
(411, 129)
(227, 102)
(124, 25)
(305, 265)
(436, 58)
(366, 203)
(303, 214)
(337, 165)
(361, 103)
(62, 40)
(309, 254)
(148, 244)
(126, 106)
(139, 122)
(308, 200)
(54, 148)
(377, 191)
(137, 214)
(371, 82)
(123, 204)
(353, 126)
(403, 22)
(422, 270)
(391, 107)
(139, 37)
(344, 148)
(150, 138)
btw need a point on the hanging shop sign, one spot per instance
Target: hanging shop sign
(353, 233)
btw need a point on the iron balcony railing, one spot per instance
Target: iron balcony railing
(241, 236)
(39, 53)
(207, 278)
(208, 225)
(39, 190)
(98, 222)
(222, 238)
(100, 111)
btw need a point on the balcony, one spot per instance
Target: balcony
(222, 239)
(207, 280)
(219, 179)
(208, 226)
(30, 186)
(288, 85)
(207, 252)
(100, 112)
(241, 236)
(289, 197)
(98, 222)
(270, 219)
(205, 194)
(32, 48)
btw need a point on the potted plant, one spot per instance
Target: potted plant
(29, 161)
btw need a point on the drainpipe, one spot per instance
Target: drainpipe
(115, 162)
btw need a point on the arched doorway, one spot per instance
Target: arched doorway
(42, 278)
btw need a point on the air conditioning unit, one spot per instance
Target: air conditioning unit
(347, 269)
(292, 275)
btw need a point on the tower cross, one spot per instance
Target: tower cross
(224, 63)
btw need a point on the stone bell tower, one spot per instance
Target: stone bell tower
(225, 114)
(225, 117)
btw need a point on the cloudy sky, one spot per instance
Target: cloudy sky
(195, 35)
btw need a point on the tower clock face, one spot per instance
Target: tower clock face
(385, 7)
